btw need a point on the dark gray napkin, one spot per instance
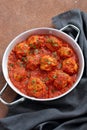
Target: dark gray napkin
(67, 113)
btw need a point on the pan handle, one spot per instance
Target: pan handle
(72, 27)
(6, 103)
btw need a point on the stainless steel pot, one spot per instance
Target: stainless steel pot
(43, 30)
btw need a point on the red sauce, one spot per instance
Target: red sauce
(43, 66)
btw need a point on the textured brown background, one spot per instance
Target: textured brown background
(17, 16)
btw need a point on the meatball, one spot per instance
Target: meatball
(62, 80)
(19, 74)
(36, 88)
(35, 41)
(70, 66)
(47, 63)
(53, 43)
(65, 52)
(32, 62)
(21, 49)
(53, 75)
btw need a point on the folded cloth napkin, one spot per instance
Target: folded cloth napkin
(67, 113)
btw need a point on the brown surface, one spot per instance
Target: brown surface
(17, 16)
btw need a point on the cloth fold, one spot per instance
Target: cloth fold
(66, 113)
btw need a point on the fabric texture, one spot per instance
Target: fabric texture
(66, 113)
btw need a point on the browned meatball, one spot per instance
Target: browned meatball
(53, 75)
(32, 62)
(62, 80)
(53, 43)
(37, 88)
(21, 49)
(19, 74)
(65, 52)
(35, 41)
(70, 66)
(47, 63)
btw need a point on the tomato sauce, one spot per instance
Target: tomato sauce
(43, 66)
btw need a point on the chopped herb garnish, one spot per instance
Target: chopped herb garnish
(37, 41)
(30, 44)
(49, 62)
(24, 59)
(36, 51)
(33, 81)
(34, 91)
(11, 64)
(49, 40)
(53, 90)
(54, 76)
(34, 46)
(46, 79)
(60, 66)
(46, 60)
(54, 44)
(25, 51)
(54, 54)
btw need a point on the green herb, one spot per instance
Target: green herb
(36, 51)
(54, 44)
(49, 40)
(24, 59)
(25, 51)
(53, 90)
(46, 60)
(60, 66)
(34, 90)
(54, 76)
(30, 44)
(37, 41)
(34, 46)
(11, 64)
(46, 79)
(49, 62)
(54, 54)
(33, 81)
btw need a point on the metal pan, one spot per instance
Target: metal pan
(44, 30)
